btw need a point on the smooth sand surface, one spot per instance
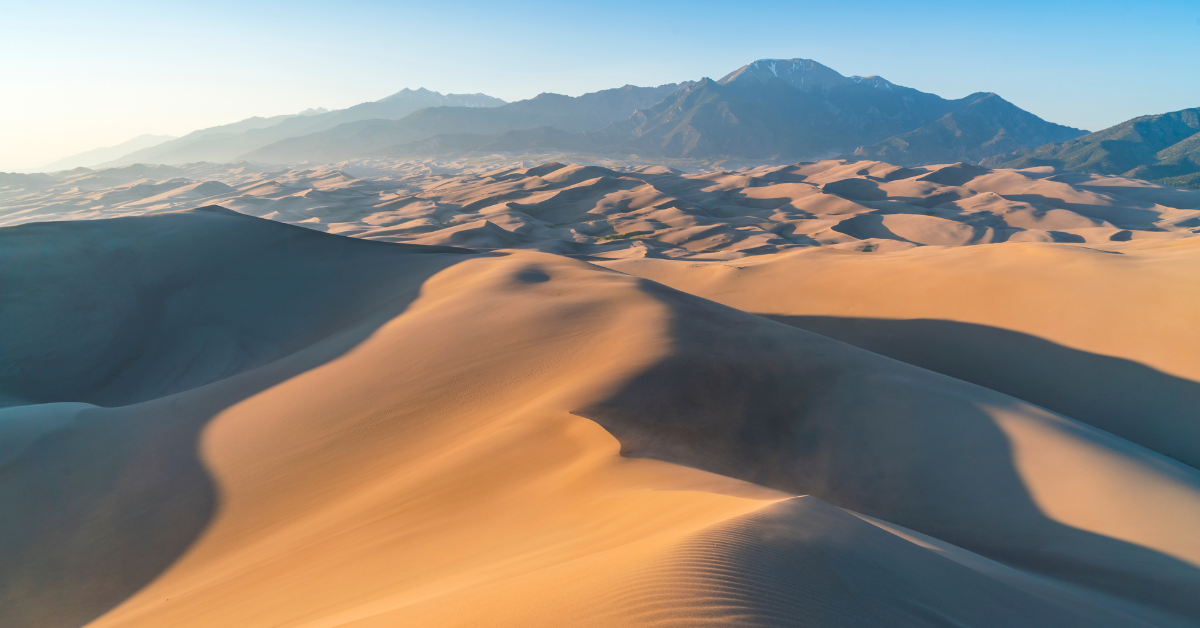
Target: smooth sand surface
(216, 420)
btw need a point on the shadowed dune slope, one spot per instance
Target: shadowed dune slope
(1097, 389)
(802, 562)
(116, 312)
(1103, 335)
(748, 398)
(522, 439)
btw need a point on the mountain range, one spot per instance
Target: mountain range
(572, 115)
(1164, 148)
(228, 142)
(770, 109)
(775, 109)
(795, 108)
(800, 109)
(985, 125)
(105, 154)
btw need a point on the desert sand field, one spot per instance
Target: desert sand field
(575, 209)
(835, 394)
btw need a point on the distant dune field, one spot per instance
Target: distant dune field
(835, 394)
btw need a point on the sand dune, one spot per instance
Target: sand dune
(210, 419)
(1100, 334)
(440, 438)
(596, 210)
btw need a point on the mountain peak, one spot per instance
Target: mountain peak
(406, 92)
(801, 73)
(804, 74)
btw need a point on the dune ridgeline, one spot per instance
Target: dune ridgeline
(837, 394)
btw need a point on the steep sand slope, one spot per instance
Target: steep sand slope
(116, 312)
(119, 311)
(1104, 335)
(437, 448)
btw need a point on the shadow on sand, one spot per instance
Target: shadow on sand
(744, 397)
(1133, 401)
(97, 507)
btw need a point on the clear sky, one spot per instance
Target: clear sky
(77, 75)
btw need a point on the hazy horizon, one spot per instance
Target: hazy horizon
(86, 77)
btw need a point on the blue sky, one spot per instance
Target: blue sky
(76, 75)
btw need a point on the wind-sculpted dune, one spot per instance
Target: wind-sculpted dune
(834, 394)
(642, 211)
(1102, 334)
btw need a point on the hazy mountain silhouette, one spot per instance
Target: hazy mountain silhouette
(108, 153)
(573, 115)
(1163, 148)
(225, 143)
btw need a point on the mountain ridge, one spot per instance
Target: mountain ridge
(977, 131)
(226, 142)
(788, 109)
(1160, 147)
(103, 154)
(777, 109)
(571, 114)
